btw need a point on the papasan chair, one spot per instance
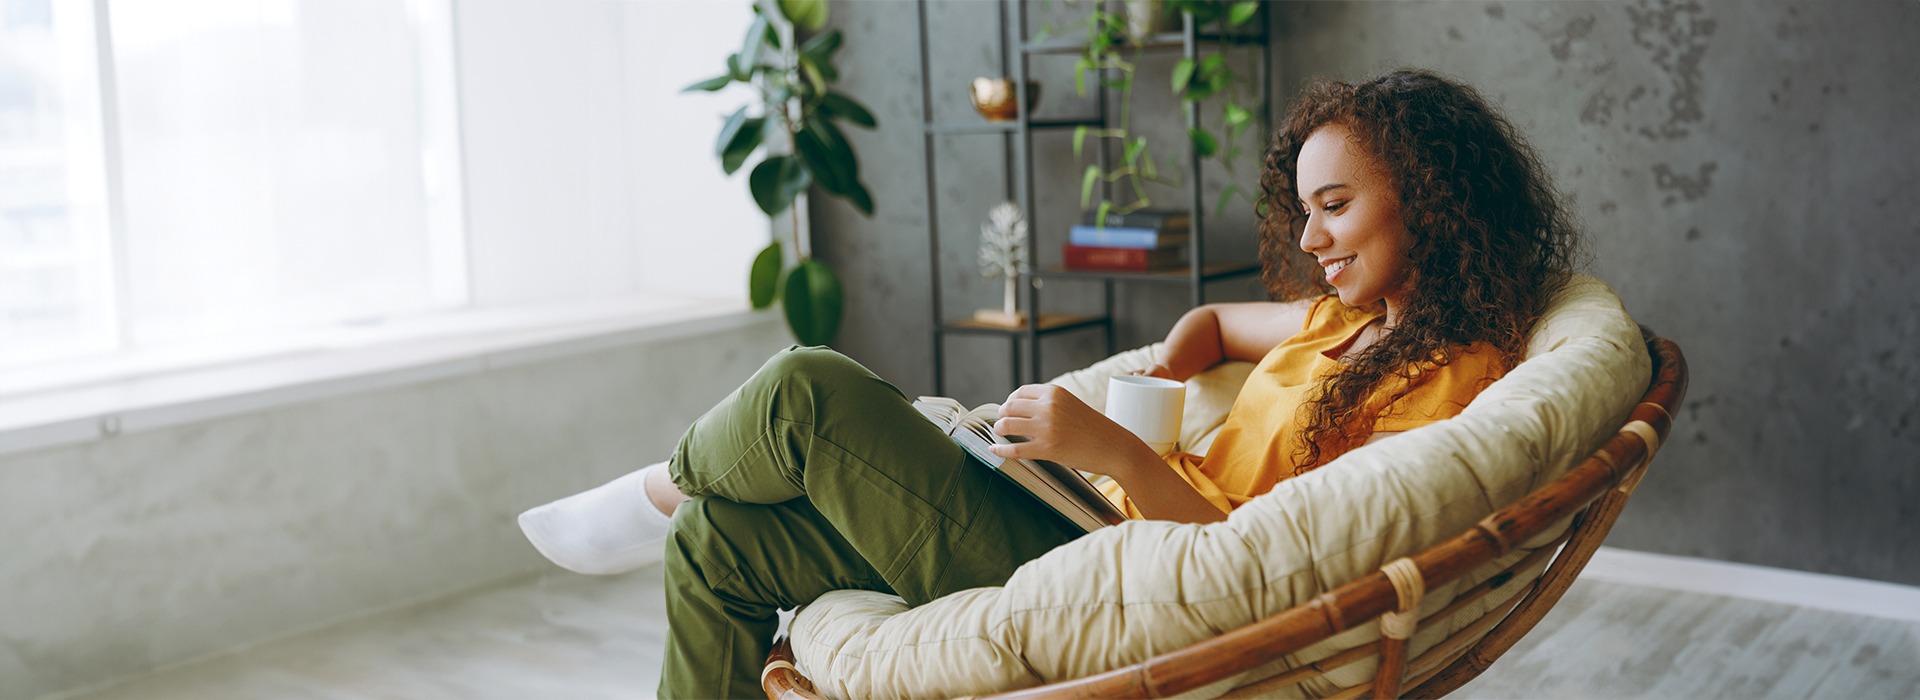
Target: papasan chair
(1456, 538)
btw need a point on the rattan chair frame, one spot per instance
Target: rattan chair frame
(1592, 493)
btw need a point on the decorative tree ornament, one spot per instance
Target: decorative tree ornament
(1003, 253)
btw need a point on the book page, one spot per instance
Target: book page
(943, 411)
(1062, 489)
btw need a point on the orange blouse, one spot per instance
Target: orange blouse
(1258, 442)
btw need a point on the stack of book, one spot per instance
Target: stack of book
(1141, 241)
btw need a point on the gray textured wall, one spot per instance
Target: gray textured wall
(1745, 171)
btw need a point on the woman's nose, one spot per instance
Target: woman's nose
(1313, 236)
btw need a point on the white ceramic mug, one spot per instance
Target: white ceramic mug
(1148, 407)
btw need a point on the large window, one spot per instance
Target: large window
(193, 180)
(283, 165)
(56, 276)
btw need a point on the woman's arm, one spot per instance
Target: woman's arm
(1215, 333)
(1060, 428)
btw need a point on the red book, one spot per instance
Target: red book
(1085, 257)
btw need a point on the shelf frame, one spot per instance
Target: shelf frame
(1017, 140)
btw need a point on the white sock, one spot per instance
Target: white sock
(610, 529)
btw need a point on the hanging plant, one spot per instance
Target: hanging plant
(1213, 76)
(1112, 54)
(794, 81)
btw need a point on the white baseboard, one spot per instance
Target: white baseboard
(1809, 590)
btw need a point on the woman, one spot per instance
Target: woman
(1420, 207)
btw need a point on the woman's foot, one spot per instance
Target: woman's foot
(614, 528)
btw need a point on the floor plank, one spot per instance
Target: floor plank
(560, 635)
(556, 635)
(1619, 641)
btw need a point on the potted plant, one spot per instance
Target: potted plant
(800, 113)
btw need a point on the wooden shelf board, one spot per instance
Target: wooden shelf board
(986, 127)
(1208, 273)
(1163, 41)
(1049, 323)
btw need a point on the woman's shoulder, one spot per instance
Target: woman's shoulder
(1328, 316)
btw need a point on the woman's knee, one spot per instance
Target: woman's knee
(810, 367)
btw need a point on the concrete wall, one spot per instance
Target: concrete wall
(1745, 171)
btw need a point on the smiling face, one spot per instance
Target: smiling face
(1354, 228)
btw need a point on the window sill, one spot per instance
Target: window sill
(109, 399)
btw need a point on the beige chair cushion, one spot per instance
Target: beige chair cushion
(1126, 593)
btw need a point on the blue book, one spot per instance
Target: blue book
(1125, 237)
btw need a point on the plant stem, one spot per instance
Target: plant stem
(789, 53)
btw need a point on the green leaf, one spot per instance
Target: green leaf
(776, 181)
(773, 33)
(840, 105)
(830, 169)
(1080, 70)
(1235, 115)
(738, 139)
(1079, 135)
(1219, 82)
(861, 198)
(814, 303)
(828, 73)
(1132, 153)
(821, 47)
(1147, 169)
(830, 156)
(1202, 89)
(808, 14)
(1182, 74)
(763, 281)
(1204, 144)
(1225, 196)
(729, 130)
(1241, 12)
(1086, 184)
(738, 70)
(710, 84)
(743, 144)
(1212, 65)
(814, 77)
(756, 38)
(1100, 215)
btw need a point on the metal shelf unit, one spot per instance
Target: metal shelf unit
(1017, 137)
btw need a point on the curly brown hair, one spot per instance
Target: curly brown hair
(1491, 239)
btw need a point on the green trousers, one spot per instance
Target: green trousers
(816, 476)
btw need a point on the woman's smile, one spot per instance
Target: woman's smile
(1333, 268)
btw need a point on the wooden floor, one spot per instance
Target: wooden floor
(566, 636)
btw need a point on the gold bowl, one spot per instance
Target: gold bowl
(993, 98)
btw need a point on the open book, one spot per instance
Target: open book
(1060, 488)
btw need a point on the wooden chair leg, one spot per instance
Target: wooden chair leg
(1398, 626)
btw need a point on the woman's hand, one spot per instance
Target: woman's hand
(1060, 428)
(1154, 370)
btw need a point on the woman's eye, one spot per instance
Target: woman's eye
(1334, 206)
